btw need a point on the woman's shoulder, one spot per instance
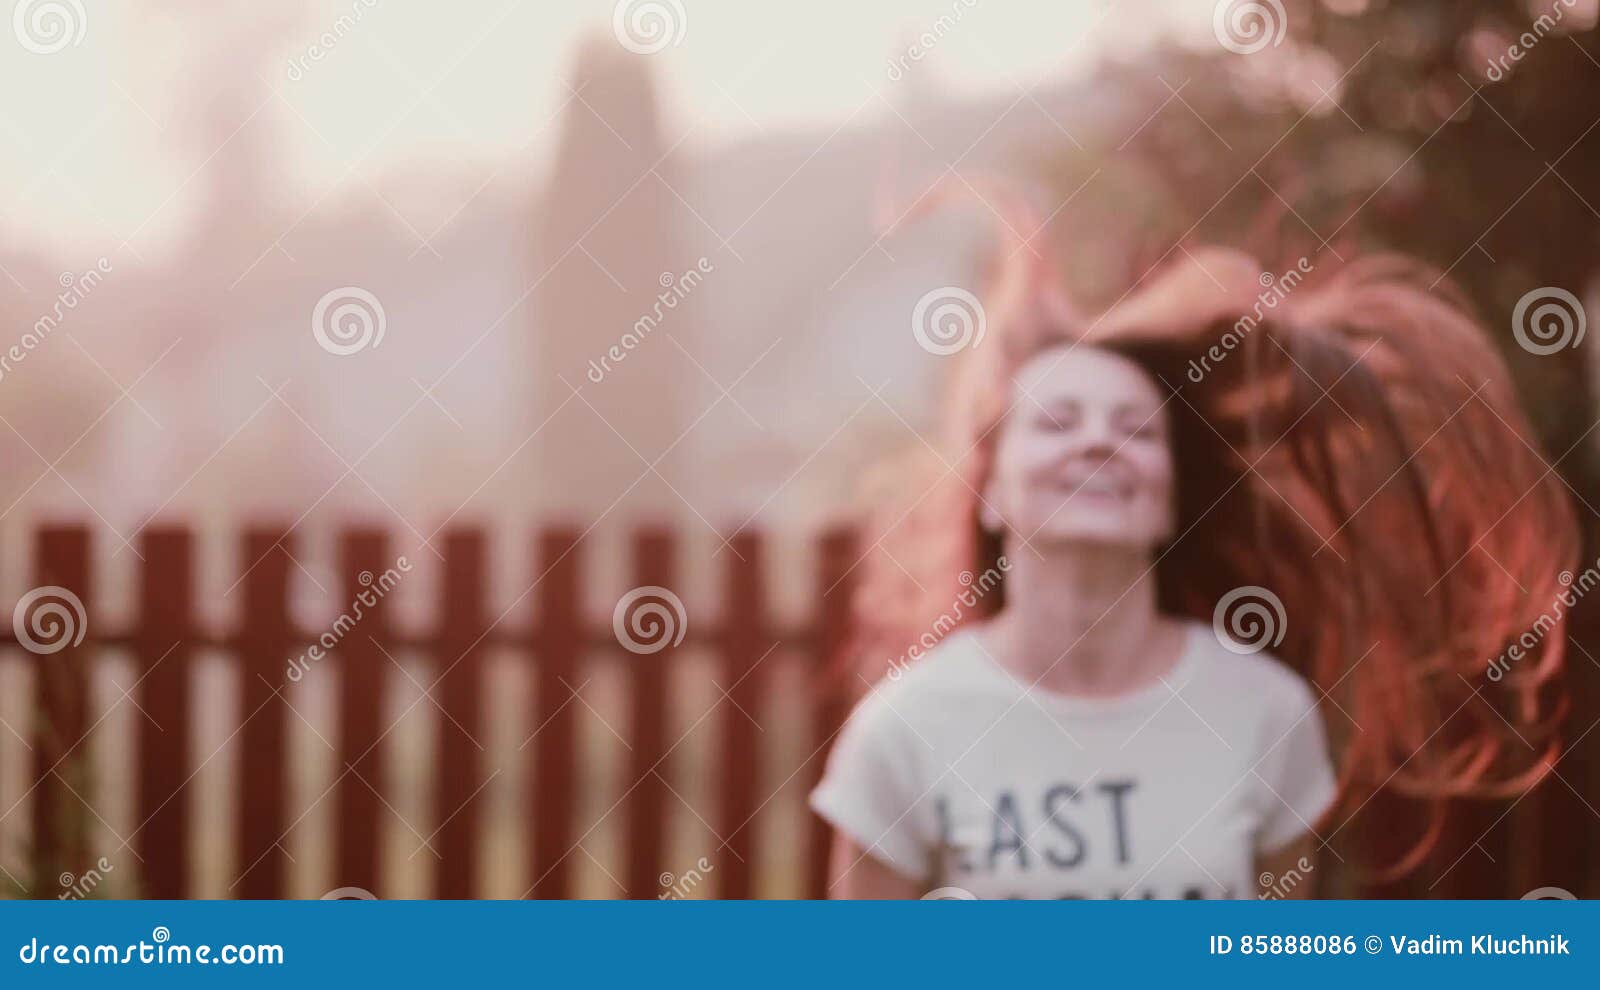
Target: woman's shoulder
(1257, 702)
(951, 666)
(916, 699)
(1243, 670)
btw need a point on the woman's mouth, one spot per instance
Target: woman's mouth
(1104, 486)
(1101, 485)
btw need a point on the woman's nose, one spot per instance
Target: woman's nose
(1098, 438)
(1097, 449)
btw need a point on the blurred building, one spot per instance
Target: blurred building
(752, 392)
(609, 291)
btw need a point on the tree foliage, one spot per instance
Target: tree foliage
(1462, 133)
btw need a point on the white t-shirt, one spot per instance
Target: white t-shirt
(955, 773)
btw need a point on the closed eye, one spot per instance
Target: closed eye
(1142, 425)
(1059, 419)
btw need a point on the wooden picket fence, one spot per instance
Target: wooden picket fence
(165, 637)
(1499, 849)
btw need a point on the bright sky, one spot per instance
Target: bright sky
(108, 130)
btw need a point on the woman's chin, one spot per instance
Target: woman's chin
(1096, 532)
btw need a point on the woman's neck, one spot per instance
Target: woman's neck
(1081, 618)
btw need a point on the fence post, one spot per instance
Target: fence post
(835, 586)
(459, 702)
(162, 649)
(264, 643)
(61, 688)
(745, 642)
(646, 814)
(558, 646)
(363, 674)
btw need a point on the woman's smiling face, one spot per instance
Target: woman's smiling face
(1084, 453)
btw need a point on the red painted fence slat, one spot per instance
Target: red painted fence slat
(645, 807)
(831, 686)
(1500, 848)
(363, 673)
(553, 740)
(266, 651)
(458, 698)
(60, 821)
(162, 651)
(744, 642)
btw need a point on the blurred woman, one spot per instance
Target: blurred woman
(1189, 578)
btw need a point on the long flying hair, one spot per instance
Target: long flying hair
(1346, 438)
